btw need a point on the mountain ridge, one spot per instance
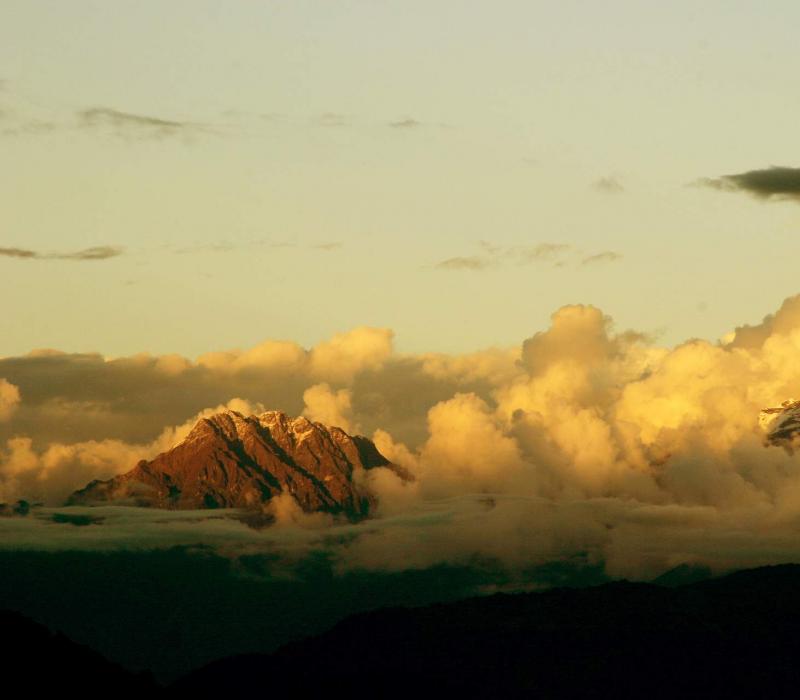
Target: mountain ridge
(229, 460)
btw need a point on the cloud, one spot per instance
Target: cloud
(19, 253)
(495, 255)
(407, 123)
(473, 262)
(347, 354)
(607, 256)
(583, 440)
(323, 405)
(778, 182)
(543, 252)
(129, 124)
(94, 253)
(9, 399)
(29, 127)
(608, 185)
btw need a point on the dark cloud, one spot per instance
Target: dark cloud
(776, 181)
(138, 124)
(103, 252)
(607, 256)
(608, 185)
(18, 253)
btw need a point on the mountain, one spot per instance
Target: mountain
(229, 460)
(730, 637)
(43, 663)
(782, 423)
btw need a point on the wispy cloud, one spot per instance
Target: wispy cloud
(494, 255)
(333, 119)
(779, 182)
(472, 262)
(552, 254)
(139, 125)
(543, 252)
(94, 253)
(223, 247)
(329, 247)
(232, 246)
(30, 127)
(607, 256)
(408, 123)
(608, 185)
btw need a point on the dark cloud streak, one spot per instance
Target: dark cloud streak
(126, 123)
(777, 182)
(94, 253)
(607, 256)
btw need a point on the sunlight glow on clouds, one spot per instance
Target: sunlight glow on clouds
(647, 438)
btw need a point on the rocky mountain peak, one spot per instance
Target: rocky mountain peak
(232, 460)
(781, 424)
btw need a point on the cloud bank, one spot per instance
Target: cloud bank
(584, 441)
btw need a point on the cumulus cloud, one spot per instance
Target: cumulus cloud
(778, 182)
(9, 399)
(52, 473)
(323, 405)
(346, 354)
(94, 253)
(583, 439)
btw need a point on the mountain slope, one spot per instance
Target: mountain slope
(229, 460)
(49, 664)
(723, 638)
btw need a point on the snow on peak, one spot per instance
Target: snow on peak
(781, 423)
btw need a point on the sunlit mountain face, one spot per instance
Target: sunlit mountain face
(314, 309)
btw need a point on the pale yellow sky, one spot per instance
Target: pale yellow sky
(289, 170)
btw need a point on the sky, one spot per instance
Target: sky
(544, 255)
(186, 177)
